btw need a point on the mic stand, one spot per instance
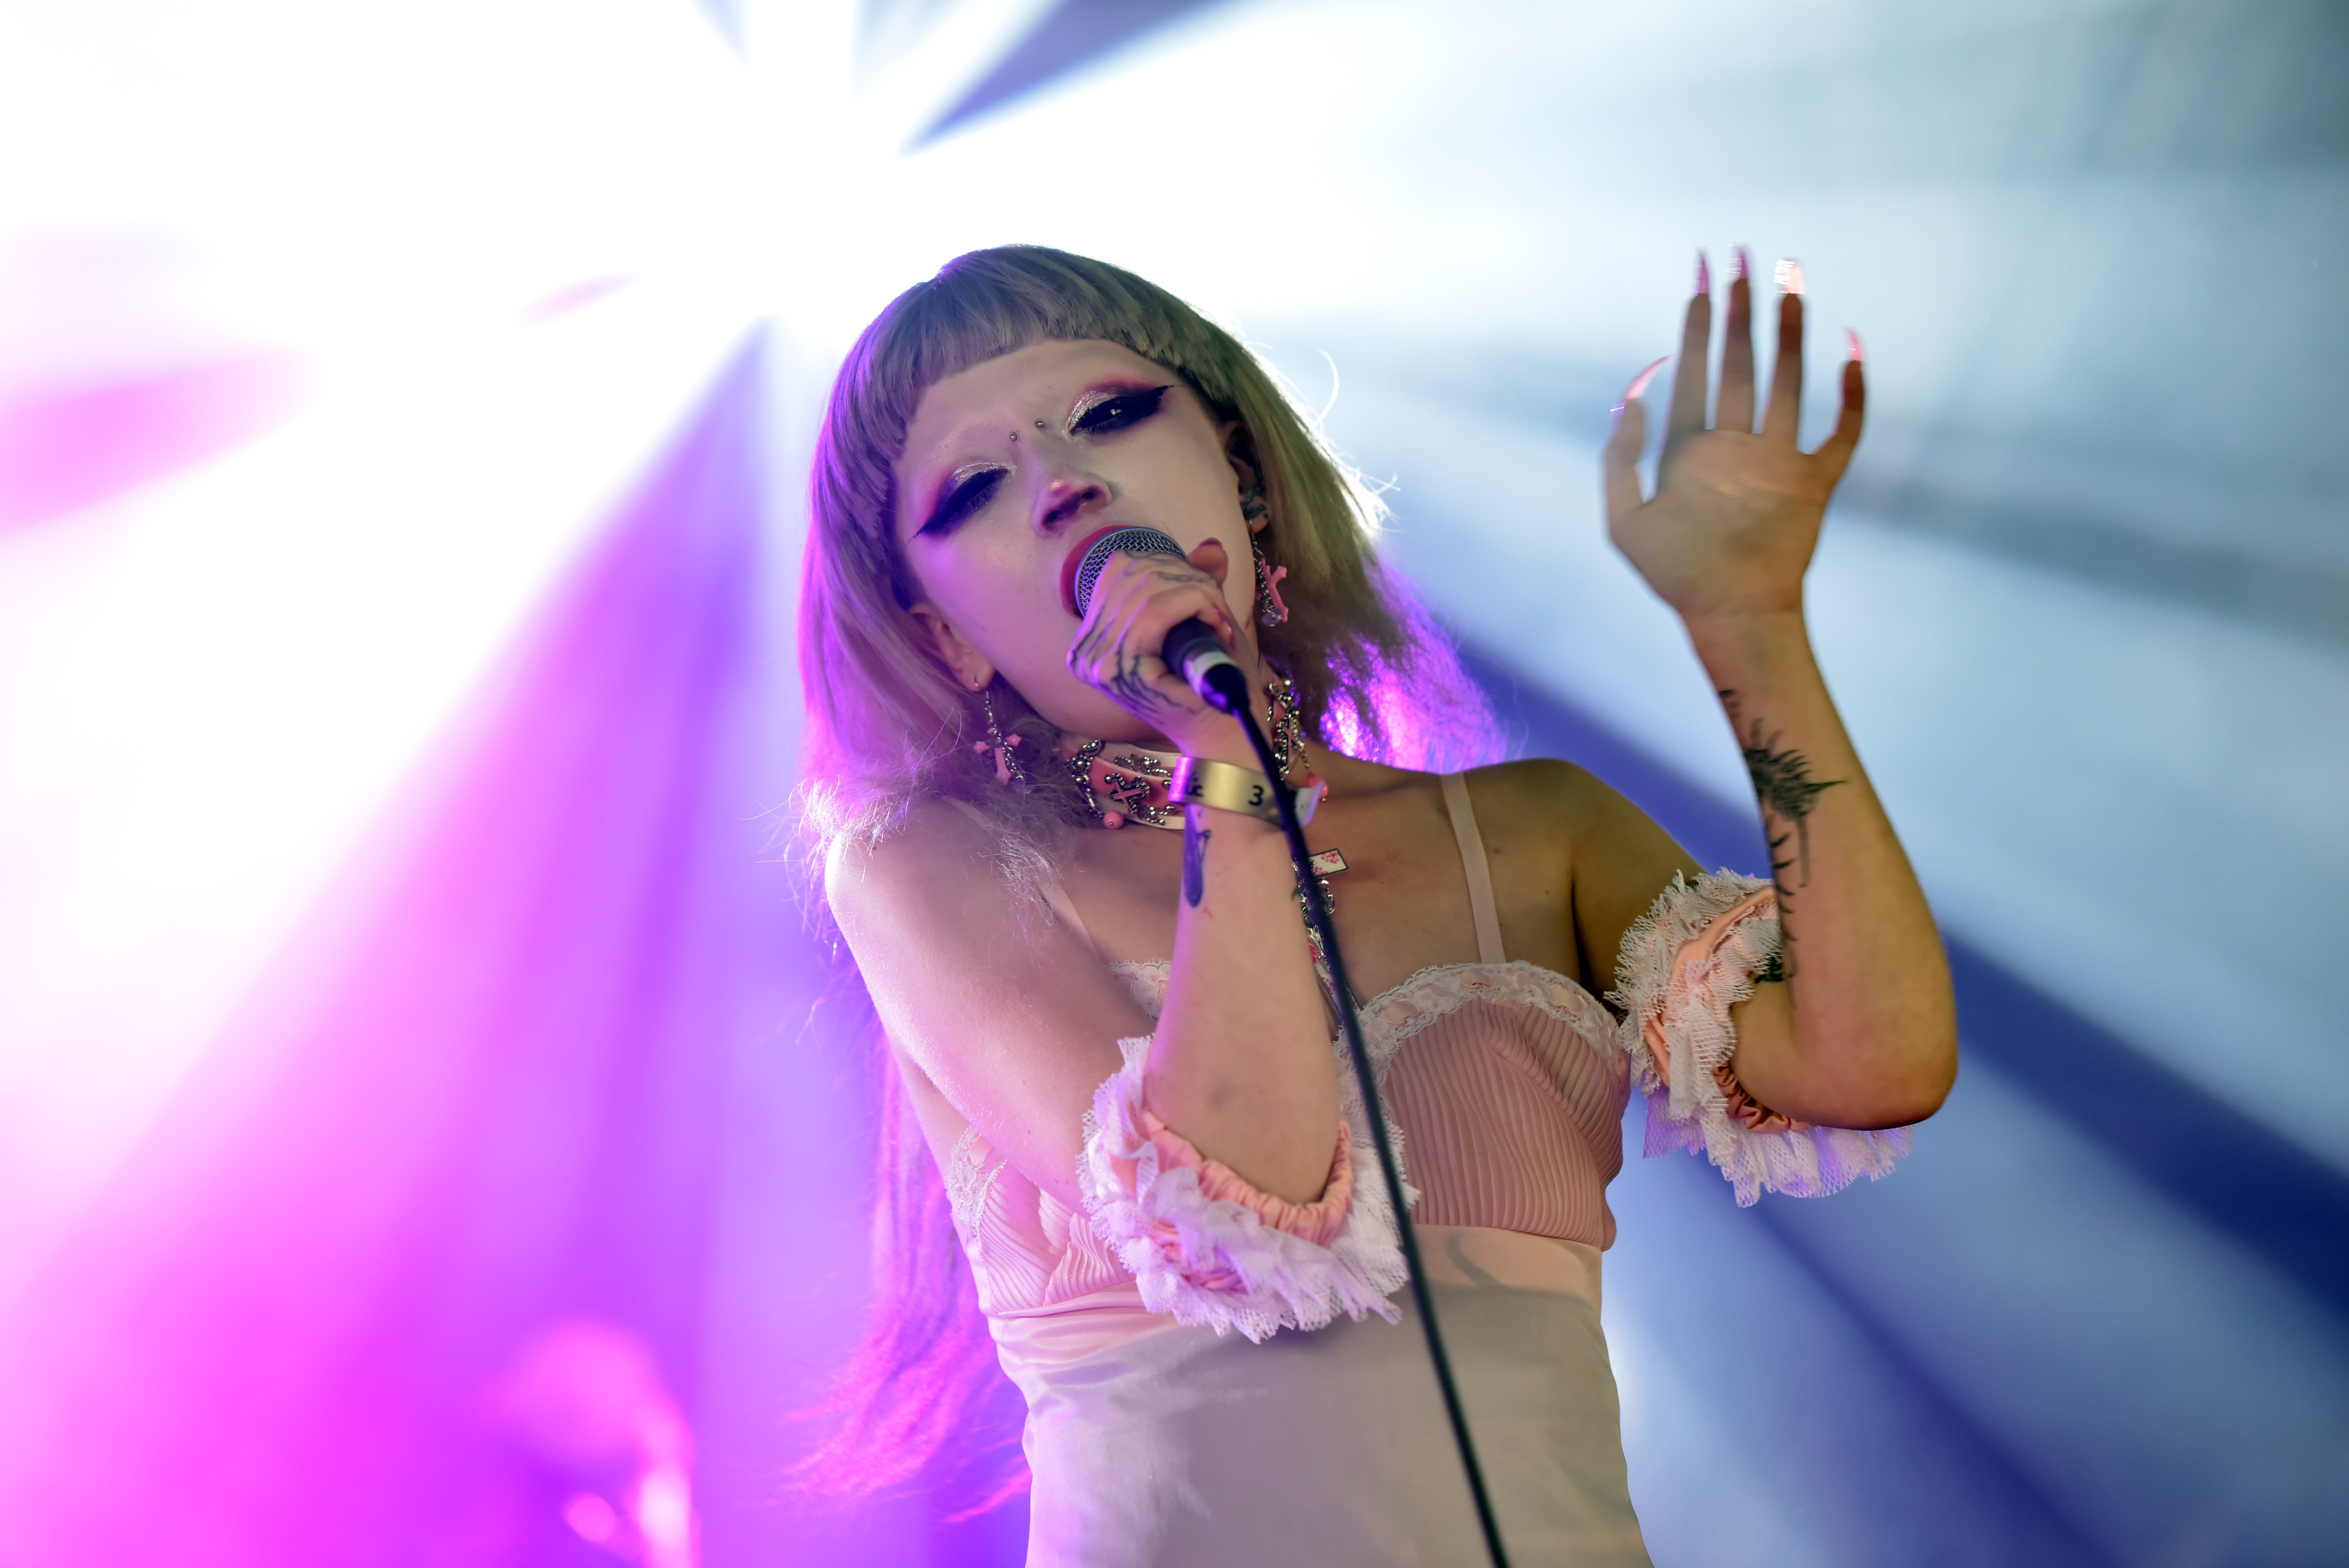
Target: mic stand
(1224, 687)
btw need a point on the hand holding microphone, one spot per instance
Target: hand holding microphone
(1191, 649)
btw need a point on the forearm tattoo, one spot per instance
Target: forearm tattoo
(1195, 857)
(1787, 793)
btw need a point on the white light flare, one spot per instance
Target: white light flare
(214, 684)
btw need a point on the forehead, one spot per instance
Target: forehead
(1020, 387)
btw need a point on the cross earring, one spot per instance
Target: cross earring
(1008, 770)
(1269, 609)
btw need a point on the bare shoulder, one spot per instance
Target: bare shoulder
(1582, 839)
(1545, 800)
(936, 860)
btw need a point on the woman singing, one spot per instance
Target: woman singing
(1105, 1011)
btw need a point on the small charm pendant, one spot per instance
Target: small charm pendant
(1325, 864)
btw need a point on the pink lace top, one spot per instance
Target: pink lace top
(1505, 1083)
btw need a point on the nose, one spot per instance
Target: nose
(1067, 501)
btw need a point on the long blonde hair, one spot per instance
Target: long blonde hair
(889, 727)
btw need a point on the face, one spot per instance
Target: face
(1010, 464)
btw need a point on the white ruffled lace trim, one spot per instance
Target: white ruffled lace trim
(1394, 1017)
(1212, 1262)
(969, 1180)
(1801, 1162)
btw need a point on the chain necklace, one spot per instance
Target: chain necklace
(1286, 732)
(1282, 726)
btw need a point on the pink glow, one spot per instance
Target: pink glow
(421, 1254)
(575, 296)
(586, 1398)
(65, 448)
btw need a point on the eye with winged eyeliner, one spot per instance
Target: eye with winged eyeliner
(1114, 409)
(967, 491)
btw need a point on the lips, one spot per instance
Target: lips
(1076, 560)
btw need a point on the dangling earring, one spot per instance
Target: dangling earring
(1008, 771)
(1270, 610)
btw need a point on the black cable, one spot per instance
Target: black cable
(1317, 911)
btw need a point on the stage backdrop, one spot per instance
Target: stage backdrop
(429, 1131)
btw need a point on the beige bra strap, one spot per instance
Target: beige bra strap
(1054, 893)
(1472, 861)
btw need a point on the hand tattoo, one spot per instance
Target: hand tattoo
(1195, 858)
(1136, 695)
(1125, 683)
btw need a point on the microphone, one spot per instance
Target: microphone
(1192, 648)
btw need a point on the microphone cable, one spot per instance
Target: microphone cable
(1217, 688)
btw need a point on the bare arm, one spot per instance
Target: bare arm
(1863, 1031)
(1015, 1027)
(1018, 1033)
(1240, 1062)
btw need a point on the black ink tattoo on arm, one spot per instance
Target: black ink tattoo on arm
(1783, 783)
(1787, 793)
(1195, 858)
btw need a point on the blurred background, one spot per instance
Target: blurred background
(420, 1138)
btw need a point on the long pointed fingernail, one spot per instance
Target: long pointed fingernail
(1639, 382)
(1789, 276)
(1858, 351)
(1744, 268)
(1703, 274)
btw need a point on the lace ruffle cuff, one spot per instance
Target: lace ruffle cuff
(1214, 1251)
(1684, 964)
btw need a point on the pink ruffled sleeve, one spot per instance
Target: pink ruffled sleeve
(1209, 1249)
(1690, 959)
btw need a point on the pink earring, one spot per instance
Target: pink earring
(1269, 609)
(1008, 771)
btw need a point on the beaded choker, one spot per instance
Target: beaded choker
(1125, 783)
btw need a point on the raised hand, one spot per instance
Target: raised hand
(1735, 516)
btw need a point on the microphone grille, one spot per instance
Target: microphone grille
(1087, 561)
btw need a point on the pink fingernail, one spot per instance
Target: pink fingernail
(1789, 276)
(1744, 272)
(1639, 382)
(1703, 274)
(1851, 340)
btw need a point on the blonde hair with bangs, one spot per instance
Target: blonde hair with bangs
(889, 725)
